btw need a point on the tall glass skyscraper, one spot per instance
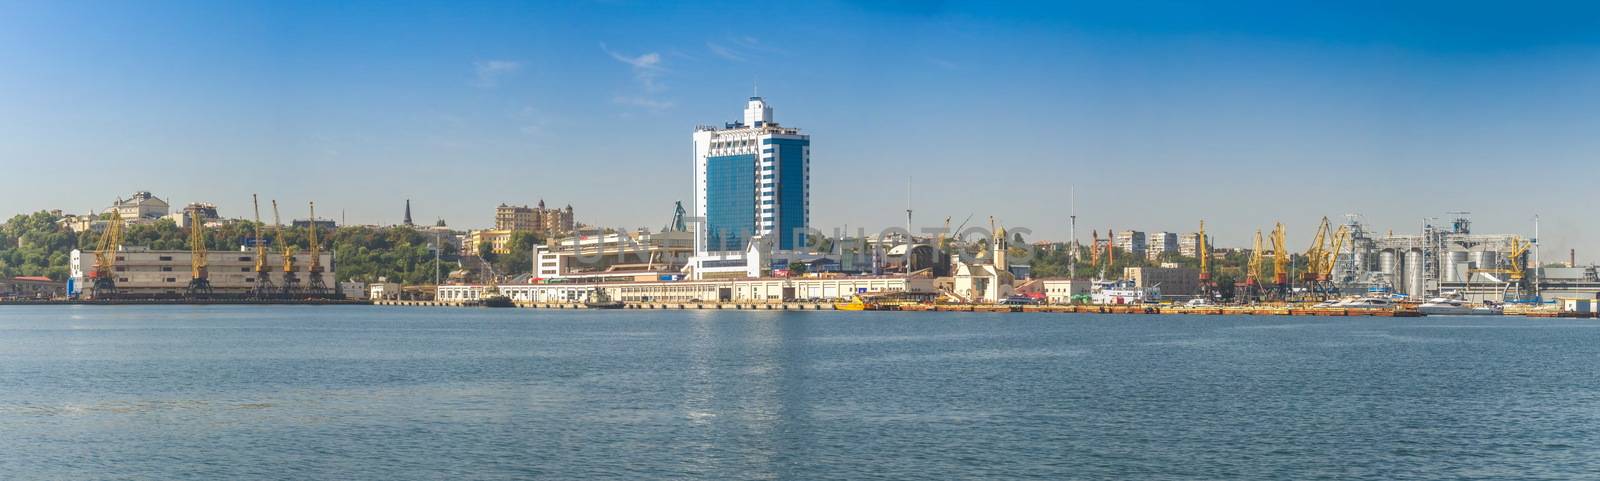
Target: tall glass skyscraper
(752, 181)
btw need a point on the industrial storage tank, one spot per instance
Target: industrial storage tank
(1414, 273)
(1388, 262)
(1485, 259)
(1453, 267)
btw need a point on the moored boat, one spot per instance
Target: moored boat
(602, 301)
(496, 300)
(1452, 306)
(855, 304)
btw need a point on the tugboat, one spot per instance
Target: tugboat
(600, 300)
(492, 297)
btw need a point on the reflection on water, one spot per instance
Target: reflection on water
(224, 392)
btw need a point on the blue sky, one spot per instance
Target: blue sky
(1161, 113)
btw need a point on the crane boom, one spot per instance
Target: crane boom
(1339, 238)
(291, 283)
(1253, 276)
(314, 247)
(263, 281)
(197, 246)
(1317, 253)
(1280, 256)
(311, 241)
(277, 236)
(105, 255)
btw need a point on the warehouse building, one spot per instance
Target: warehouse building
(156, 272)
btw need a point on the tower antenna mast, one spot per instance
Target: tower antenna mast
(1072, 257)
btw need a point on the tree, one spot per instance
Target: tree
(518, 258)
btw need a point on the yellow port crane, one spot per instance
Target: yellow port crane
(263, 286)
(291, 283)
(1317, 254)
(105, 256)
(1252, 274)
(1280, 260)
(1518, 263)
(315, 284)
(199, 275)
(1340, 236)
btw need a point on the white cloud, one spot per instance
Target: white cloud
(739, 49)
(491, 71)
(724, 52)
(647, 68)
(647, 71)
(644, 102)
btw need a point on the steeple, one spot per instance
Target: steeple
(408, 212)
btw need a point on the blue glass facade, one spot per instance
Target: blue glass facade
(791, 189)
(730, 201)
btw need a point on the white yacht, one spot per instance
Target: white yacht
(1367, 303)
(1123, 292)
(1453, 306)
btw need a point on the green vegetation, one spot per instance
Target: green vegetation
(35, 245)
(399, 253)
(519, 259)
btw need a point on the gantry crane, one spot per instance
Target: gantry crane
(291, 282)
(1340, 237)
(199, 275)
(263, 286)
(1315, 277)
(1280, 263)
(105, 256)
(1252, 275)
(314, 285)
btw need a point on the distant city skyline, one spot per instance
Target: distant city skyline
(1241, 114)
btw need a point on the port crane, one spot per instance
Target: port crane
(199, 273)
(1341, 236)
(314, 285)
(1252, 275)
(1319, 263)
(263, 286)
(1280, 264)
(291, 282)
(105, 256)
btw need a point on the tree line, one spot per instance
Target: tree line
(37, 245)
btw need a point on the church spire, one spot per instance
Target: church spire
(408, 212)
